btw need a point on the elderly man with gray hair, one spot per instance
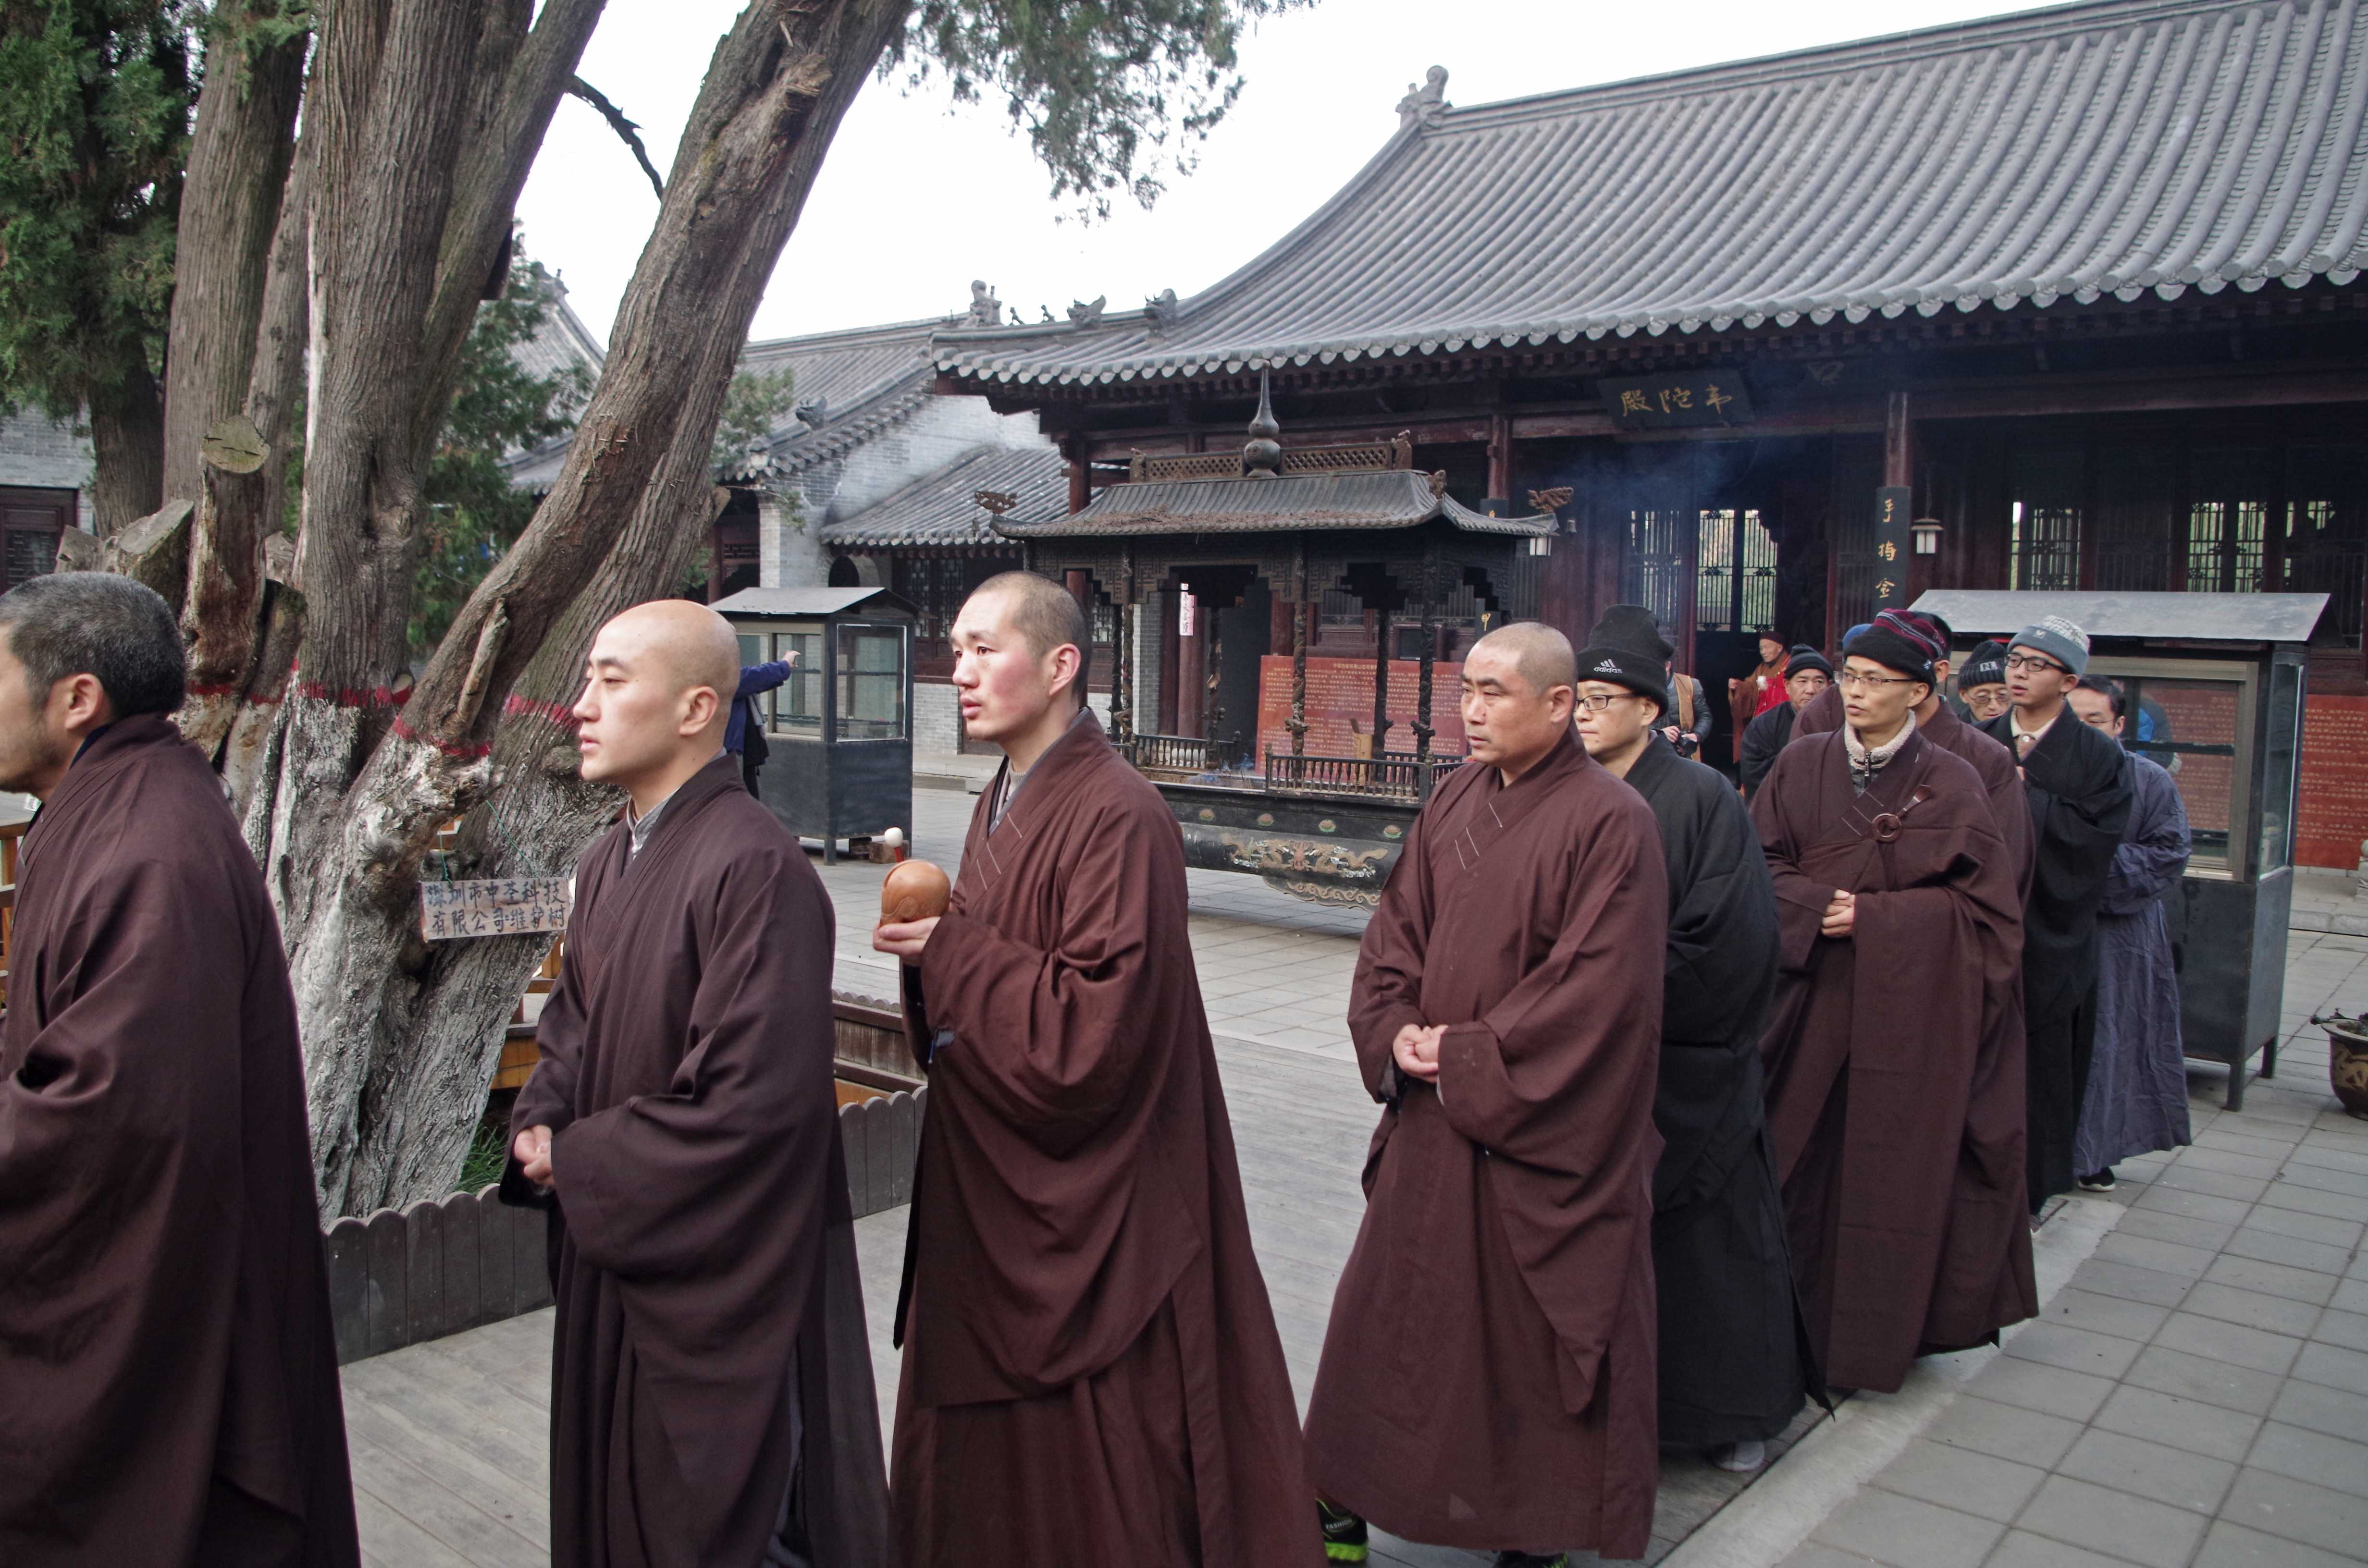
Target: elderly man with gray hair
(168, 1376)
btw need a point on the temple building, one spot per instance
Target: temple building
(2073, 290)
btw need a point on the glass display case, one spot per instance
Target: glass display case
(2214, 695)
(840, 730)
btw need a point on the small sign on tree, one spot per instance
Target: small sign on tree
(502, 907)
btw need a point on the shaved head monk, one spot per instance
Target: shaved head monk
(1092, 1374)
(712, 1394)
(168, 1376)
(1488, 1380)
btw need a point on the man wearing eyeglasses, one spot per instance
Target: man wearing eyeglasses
(1898, 909)
(2079, 802)
(1733, 1372)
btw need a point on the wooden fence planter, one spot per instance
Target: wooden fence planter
(405, 1276)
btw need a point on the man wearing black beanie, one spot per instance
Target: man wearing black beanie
(1808, 675)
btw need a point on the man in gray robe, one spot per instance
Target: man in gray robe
(2136, 1100)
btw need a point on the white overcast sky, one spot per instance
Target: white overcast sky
(914, 201)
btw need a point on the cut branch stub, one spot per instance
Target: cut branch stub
(235, 446)
(155, 550)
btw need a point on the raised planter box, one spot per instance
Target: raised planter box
(404, 1275)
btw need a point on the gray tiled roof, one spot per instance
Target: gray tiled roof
(2105, 147)
(1396, 498)
(939, 509)
(864, 380)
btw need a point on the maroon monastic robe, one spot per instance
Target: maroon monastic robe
(704, 1247)
(1092, 1374)
(168, 1376)
(2009, 807)
(1488, 1380)
(1891, 1103)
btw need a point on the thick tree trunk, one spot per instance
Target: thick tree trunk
(392, 1060)
(230, 209)
(127, 440)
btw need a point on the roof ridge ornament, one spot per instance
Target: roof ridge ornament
(1422, 106)
(1262, 453)
(1160, 310)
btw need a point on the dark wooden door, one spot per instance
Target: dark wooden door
(31, 522)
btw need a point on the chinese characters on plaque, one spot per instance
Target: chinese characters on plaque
(1893, 545)
(1661, 403)
(504, 906)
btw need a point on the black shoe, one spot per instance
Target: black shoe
(1533, 1560)
(1344, 1533)
(2101, 1182)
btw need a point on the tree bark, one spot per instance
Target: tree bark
(393, 1062)
(239, 153)
(127, 440)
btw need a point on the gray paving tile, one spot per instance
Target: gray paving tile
(2278, 1314)
(2163, 1257)
(2197, 1377)
(2335, 1410)
(2351, 1296)
(2232, 1546)
(2332, 1365)
(1815, 1554)
(2349, 1330)
(2264, 1143)
(2020, 1549)
(2104, 1314)
(2233, 1342)
(2209, 1158)
(2217, 1183)
(2269, 1246)
(2147, 1468)
(2107, 1278)
(2075, 1350)
(2316, 1516)
(1909, 1532)
(2115, 1523)
(2333, 1158)
(2194, 1205)
(2199, 1428)
(2183, 1228)
(1961, 1479)
(2352, 1184)
(2310, 1201)
(2320, 1458)
(2345, 1233)
(2049, 1390)
(2007, 1431)
(2274, 1278)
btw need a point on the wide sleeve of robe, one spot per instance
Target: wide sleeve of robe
(2080, 804)
(1801, 900)
(1049, 1038)
(2154, 850)
(651, 1184)
(1388, 995)
(1763, 738)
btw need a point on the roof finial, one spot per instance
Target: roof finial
(1262, 454)
(1423, 104)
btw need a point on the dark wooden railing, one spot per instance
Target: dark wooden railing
(1392, 775)
(1182, 754)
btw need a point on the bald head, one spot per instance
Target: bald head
(1044, 614)
(658, 694)
(1537, 652)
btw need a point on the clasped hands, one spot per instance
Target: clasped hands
(1841, 916)
(1416, 1050)
(532, 1150)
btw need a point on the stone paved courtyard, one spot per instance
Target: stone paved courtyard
(2195, 1391)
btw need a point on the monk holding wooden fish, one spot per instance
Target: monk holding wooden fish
(1091, 1368)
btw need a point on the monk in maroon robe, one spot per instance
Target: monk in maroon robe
(712, 1394)
(168, 1375)
(1489, 1378)
(1092, 1374)
(1897, 1136)
(1980, 1238)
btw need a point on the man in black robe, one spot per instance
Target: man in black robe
(1731, 1374)
(711, 1395)
(2079, 803)
(168, 1376)
(1806, 673)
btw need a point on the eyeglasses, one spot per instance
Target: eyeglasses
(1852, 679)
(1597, 703)
(2033, 662)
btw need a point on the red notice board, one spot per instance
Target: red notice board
(2332, 816)
(1341, 691)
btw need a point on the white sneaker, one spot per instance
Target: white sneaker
(1740, 1457)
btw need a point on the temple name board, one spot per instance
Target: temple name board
(1668, 401)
